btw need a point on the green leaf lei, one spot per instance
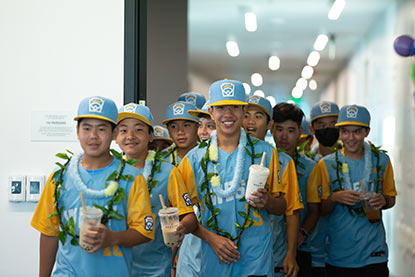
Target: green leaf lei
(172, 151)
(212, 221)
(339, 170)
(68, 229)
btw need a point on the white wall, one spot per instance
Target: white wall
(381, 80)
(53, 53)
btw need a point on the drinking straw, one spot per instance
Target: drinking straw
(164, 207)
(83, 206)
(263, 158)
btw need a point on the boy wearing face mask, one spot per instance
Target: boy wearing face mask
(323, 118)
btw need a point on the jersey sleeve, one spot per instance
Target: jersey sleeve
(325, 180)
(188, 176)
(45, 207)
(140, 217)
(178, 194)
(274, 180)
(313, 185)
(388, 188)
(291, 189)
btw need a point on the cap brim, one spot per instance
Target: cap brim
(259, 106)
(325, 115)
(178, 118)
(228, 102)
(197, 113)
(344, 123)
(125, 115)
(96, 117)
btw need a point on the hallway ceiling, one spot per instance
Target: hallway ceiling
(287, 28)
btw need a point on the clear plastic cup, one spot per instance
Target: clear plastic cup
(258, 176)
(94, 216)
(372, 214)
(169, 219)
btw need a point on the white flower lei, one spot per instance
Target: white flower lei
(240, 162)
(367, 170)
(73, 169)
(150, 159)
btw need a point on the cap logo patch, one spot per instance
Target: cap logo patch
(325, 108)
(148, 223)
(178, 109)
(227, 89)
(351, 112)
(190, 99)
(96, 104)
(254, 100)
(158, 132)
(130, 108)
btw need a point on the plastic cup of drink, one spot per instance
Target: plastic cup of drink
(258, 176)
(94, 216)
(372, 214)
(169, 219)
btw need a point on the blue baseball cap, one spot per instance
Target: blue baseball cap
(305, 124)
(354, 115)
(324, 109)
(227, 92)
(261, 102)
(194, 98)
(98, 107)
(180, 111)
(161, 133)
(203, 111)
(133, 110)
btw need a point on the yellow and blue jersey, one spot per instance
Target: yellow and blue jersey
(154, 258)
(294, 204)
(115, 260)
(255, 248)
(353, 240)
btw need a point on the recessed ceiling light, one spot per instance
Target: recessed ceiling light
(296, 92)
(312, 84)
(233, 48)
(313, 58)
(336, 10)
(256, 79)
(259, 93)
(321, 42)
(274, 63)
(307, 72)
(250, 22)
(301, 84)
(271, 100)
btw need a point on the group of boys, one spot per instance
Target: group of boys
(307, 220)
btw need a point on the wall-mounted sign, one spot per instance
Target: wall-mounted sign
(53, 126)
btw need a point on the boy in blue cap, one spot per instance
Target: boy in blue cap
(236, 238)
(57, 212)
(323, 118)
(357, 245)
(259, 117)
(206, 123)
(182, 128)
(286, 132)
(134, 132)
(161, 139)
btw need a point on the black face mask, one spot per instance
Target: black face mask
(327, 136)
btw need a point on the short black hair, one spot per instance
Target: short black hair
(112, 124)
(203, 115)
(286, 111)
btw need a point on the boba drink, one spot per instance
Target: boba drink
(258, 175)
(92, 218)
(169, 219)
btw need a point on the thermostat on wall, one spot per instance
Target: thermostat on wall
(34, 187)
(17, 186)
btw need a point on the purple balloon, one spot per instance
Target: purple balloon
(403, 46)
